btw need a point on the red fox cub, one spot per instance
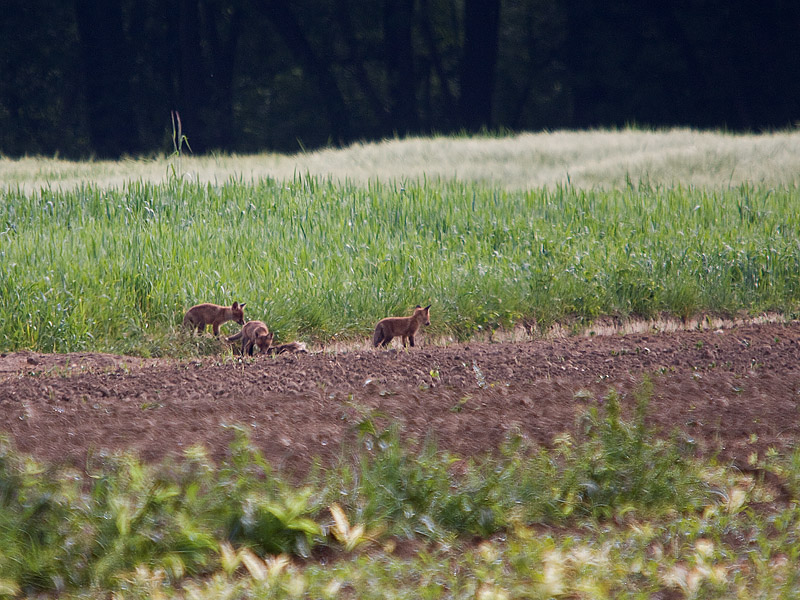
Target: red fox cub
(212, 314)
(392, 327)
(254, 333)
(291, 348)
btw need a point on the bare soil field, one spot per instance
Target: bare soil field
(732, 391)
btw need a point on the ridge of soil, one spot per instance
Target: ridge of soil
(733, 392)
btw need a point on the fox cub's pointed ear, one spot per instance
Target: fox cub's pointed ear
(235, 305)
(418, 306)
(242, 305)
(427, 307)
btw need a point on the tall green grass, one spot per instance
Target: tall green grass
(114, 270)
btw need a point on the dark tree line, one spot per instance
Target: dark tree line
(92, 77)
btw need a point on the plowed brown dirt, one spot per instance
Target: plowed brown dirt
(733, 391)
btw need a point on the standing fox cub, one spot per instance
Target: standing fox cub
(392, 327)
(254, 333)
(212, 314)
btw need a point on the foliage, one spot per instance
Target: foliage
(34, 523)
(255, 76)
(262, 511)
(138, 516)
(58, 532)
(621, 464)
(616, 510)
(618, 466)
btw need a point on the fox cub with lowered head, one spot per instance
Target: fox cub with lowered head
(290, 348)
(215, 315)
(254, 333)
(405, 327)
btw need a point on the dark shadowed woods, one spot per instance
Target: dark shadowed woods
(88, 77)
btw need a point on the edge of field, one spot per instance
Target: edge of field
(24, 361)
(592, 159)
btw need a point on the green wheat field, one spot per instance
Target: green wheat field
(496, 233)
(112, 267)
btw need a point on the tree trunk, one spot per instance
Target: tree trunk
(356, 61)
(448, 97)
(398, 17)
(192, 91)
(223, 37)
(320, 69)
(106, 75)
(479, 62)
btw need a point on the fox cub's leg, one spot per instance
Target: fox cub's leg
(199, 325)
(377, 337)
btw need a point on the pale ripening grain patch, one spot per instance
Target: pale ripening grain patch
(598, 158)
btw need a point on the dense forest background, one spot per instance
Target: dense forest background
(97, 78)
